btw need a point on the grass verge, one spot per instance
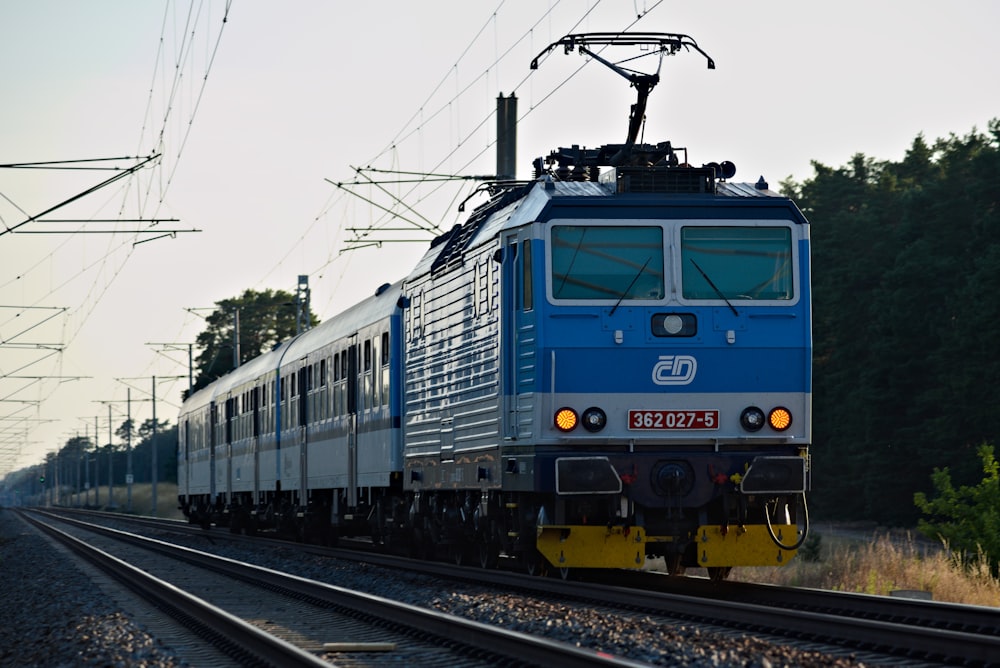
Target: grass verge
(880, 562)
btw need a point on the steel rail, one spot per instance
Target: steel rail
(930, 630)
(511, 646)
(232, 635)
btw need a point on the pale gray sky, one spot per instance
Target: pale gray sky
(254, 114)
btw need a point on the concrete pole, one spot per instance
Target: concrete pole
(128, 449)
(153, 477)
(111, 459)
(97, 467)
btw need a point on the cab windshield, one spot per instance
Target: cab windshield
(736, 263)
(607, 262)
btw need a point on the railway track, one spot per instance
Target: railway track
(877, 629)
(260, 617)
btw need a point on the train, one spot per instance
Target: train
(606, 366)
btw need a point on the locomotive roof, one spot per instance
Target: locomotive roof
(489, 219)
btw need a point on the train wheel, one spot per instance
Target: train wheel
(718, 573)
(535, 563)
(416, 544)
(422, 546)
(488, 552)
(674, 566)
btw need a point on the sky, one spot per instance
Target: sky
(254, 111)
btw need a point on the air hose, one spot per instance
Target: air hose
(805, 529)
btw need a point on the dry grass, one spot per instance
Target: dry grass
(881, 562)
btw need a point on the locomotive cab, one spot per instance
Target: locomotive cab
(671, 342)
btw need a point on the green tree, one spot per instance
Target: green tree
(146, 429)
(165, 444)
(906, 293)
(967, 518)
(71, 459)
(265, 319)
(126, 431)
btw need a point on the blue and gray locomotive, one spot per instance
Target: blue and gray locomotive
(606, 364)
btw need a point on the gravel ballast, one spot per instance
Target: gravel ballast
(54, 615)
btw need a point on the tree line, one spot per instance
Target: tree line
(906, 302)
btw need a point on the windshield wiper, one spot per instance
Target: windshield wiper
(636, 278)
(714, 287)
(572, 261)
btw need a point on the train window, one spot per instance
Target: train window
(257, 391)
(376, 376)
(369, 390)
(344, 357)
(230, 410)
(322, 373)
(336, 384)
(385, 369)
(527, 284)
(736, 263)
(607, 262)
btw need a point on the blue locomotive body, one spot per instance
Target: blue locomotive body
(666, 327)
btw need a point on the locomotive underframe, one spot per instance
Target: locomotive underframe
(539, 529)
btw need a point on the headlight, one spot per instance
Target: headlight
(752, 418)
(673, 324)
(566, 419)
(780, 418)
(594, 419)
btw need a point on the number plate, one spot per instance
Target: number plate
(657, 420)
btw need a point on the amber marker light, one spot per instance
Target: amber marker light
(566, 419)
(780, 418)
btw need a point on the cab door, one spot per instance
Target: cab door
(352, 386)
(518, 346)
(304, 416)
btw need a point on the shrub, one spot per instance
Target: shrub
(966, 519)
(812, 550)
